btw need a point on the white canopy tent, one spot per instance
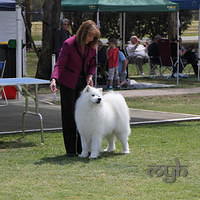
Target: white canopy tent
(12, 28)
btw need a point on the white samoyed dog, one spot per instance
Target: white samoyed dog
(98, 116)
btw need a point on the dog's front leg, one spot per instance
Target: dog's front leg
(95, 147)
(84, 145)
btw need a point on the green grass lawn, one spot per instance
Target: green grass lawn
(181, 103)
(36, 37)
(31, 171)
(31, 63)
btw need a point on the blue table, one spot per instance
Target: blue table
(22, 86)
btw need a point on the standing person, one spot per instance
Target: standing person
(123, 62)
(74, 69)
(61, 35)
(113, 62)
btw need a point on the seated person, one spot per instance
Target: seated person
(137, 53)
(154, 55)
(188, 56)
(122, 69)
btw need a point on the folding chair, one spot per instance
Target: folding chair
(166, 61)
(2, 69)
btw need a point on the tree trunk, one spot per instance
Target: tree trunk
(51, 10)
(172, 30)
(28, 6)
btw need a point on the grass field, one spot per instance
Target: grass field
(31, 171)
(180, 104)
(31, 63)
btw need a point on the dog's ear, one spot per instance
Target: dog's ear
(87, 88)
(100, 90)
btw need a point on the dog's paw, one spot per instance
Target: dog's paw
(126, 152)
(109, 150)
(93, 156)
(83, 155)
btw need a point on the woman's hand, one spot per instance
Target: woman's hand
(53, 85)
(90, 80)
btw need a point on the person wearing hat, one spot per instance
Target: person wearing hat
(113, 62)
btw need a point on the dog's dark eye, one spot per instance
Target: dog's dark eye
(93, 95)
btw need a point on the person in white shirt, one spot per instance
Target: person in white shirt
(137, 53)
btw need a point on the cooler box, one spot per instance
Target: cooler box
(10, 91)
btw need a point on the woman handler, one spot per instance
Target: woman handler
(74, 69)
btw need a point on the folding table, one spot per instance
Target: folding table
(22, 86)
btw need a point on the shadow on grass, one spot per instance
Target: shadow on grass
(15, 144)
(64, 160)
(60, 160)
(110, 154)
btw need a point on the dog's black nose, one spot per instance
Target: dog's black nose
(98, 100)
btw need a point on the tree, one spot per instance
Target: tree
(77, 17)
(51, 19)
(140, 24)
(109, 25)
(28, 8)
(151, 24)
(185, 19)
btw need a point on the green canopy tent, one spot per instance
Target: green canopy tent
(121, 6)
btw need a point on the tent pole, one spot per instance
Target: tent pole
(199, 46)
(177, 72)
(18, 43)
(120, 30)
(98, 24)
(124, 30)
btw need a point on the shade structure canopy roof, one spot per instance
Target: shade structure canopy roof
(7, 5)
(188, 4)
(119, 5)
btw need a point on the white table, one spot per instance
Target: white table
(22, 86)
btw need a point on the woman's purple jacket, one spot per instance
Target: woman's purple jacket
(68, 66)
